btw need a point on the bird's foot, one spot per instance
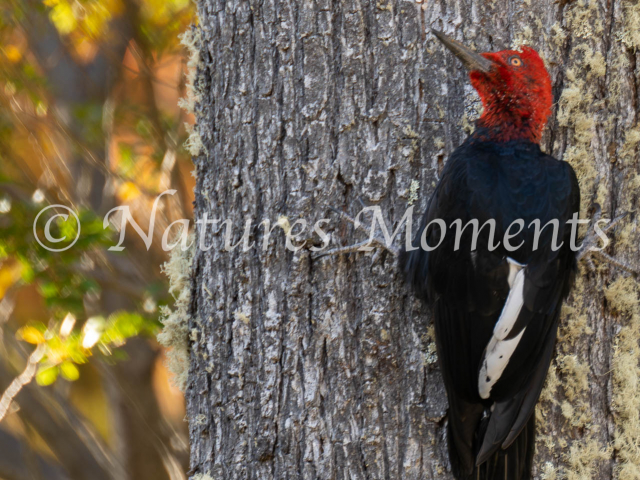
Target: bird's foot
(372, 243)
(594, 234)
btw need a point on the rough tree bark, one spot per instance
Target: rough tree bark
(325, 368)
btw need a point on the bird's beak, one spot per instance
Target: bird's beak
(472, 60)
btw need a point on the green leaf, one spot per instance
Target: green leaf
(69, 371)
(31, 334)
(47, 375)
(49, 289)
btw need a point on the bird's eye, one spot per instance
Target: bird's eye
(515, 61)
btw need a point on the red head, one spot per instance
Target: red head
(514, 87)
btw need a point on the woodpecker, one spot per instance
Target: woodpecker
(496, 308)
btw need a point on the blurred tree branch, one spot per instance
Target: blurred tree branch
(77, 448)
(19, 462)
(143, 55)
(72, 82)
(21, 380)
(145, 447)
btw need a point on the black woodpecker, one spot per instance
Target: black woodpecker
(496, 308)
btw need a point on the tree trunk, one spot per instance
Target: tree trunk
(326, 368)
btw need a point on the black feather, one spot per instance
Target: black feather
(467, 290)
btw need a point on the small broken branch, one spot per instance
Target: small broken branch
(21, 380)
(376, 241)
(591, 239)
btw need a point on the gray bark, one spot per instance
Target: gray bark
(325, 368)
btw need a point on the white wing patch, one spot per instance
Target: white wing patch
(499, 350)
(514, 268)
(511, 308)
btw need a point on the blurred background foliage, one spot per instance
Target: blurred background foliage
(89, 119)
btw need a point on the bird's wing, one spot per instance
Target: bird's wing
(473, 292)
(461, 287)
(530, 319)
(519, 384)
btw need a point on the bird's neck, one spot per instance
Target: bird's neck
(504, 126)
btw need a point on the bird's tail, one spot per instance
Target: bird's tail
(512, 463)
